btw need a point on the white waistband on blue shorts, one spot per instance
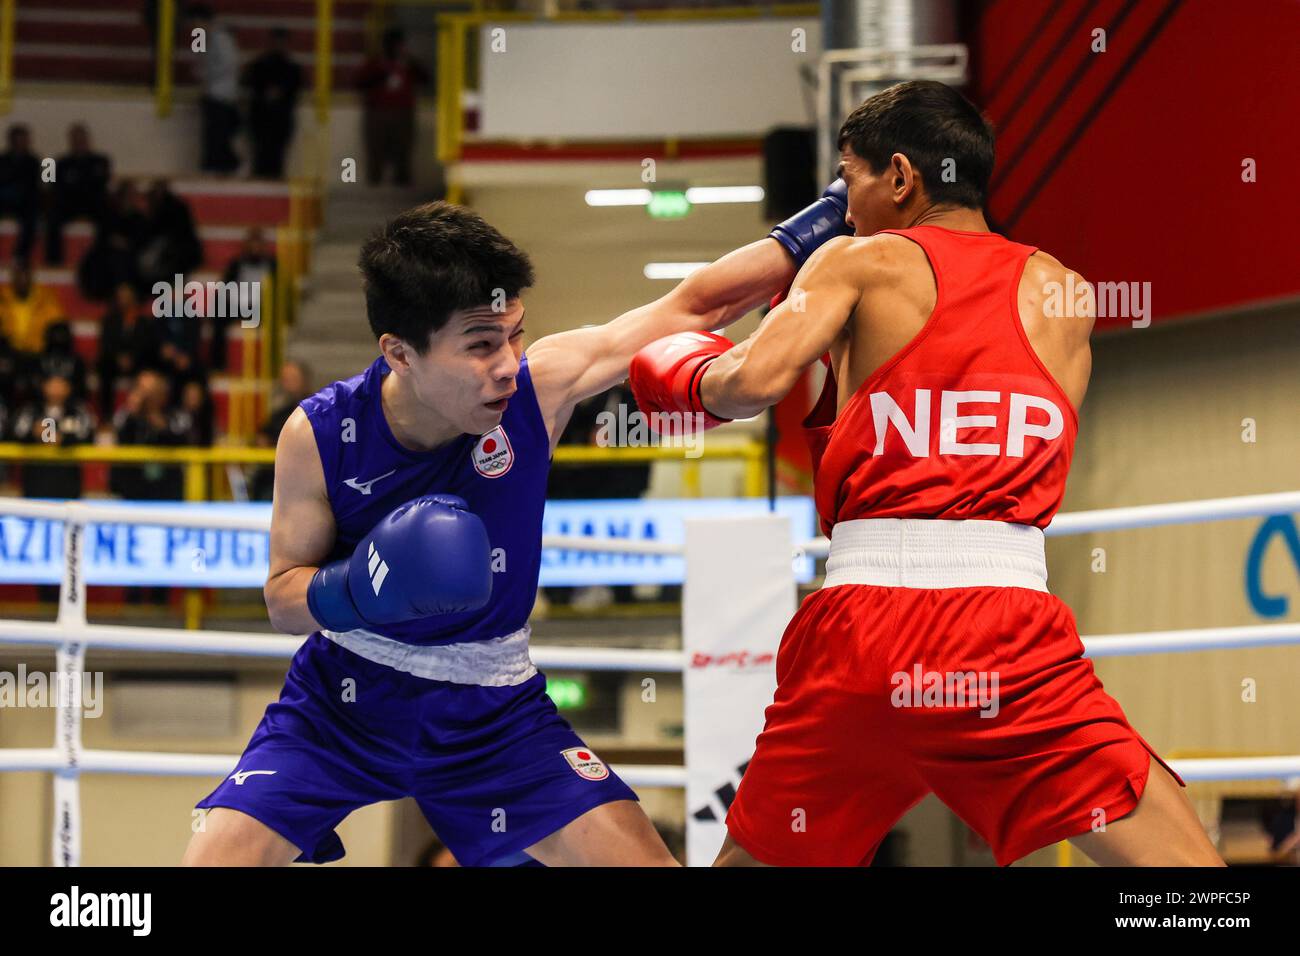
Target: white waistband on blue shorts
(928, 553)
(498, 662)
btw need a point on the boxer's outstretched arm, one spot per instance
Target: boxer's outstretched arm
(761, 370)
(569, 366)
(302, 527)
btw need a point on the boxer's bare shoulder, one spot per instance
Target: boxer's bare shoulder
(1057, 309)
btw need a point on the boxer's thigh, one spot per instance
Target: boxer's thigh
(1162, 830)
(827, 781)
(1035, 751)
(318, 754)
(501, 772)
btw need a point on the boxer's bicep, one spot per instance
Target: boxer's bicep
(570, 366)
(302, 525)
(761, 370)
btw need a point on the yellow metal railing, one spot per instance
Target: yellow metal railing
(6, 55)
(324, 58)
(196, 462)
(163, 79)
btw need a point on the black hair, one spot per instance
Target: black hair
(928, 122)
(431, 261)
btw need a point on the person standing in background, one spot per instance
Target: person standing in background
(217, 70)
(273, 81)
(80, 189)
(20, 188)
(389, 83)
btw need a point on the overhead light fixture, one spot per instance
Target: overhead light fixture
(698, 195)
(617, 197)
(695, 195)
(671, 270)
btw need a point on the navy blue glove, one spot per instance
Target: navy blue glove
(429, 556)
(804, 232)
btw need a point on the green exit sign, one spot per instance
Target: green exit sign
(668, 204)
(568, 694)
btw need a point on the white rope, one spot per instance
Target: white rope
(174, 640)
(1199, 639)
(154, 763)
(635, 775)
(178, 641)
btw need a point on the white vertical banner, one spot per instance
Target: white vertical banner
(738, 597)
(70, 666)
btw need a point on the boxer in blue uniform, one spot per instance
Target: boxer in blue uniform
(406, 537)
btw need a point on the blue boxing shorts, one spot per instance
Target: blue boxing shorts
(465, 729)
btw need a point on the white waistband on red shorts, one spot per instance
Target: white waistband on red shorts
(928, 553)
(499, 662)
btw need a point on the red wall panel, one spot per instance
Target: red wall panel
(1127, 165)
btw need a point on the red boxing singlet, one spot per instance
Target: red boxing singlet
(965, 421)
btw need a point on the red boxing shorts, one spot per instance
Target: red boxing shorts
(897, 680)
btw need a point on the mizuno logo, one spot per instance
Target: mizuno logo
(239, 776)
(364, 486)
(378, 569)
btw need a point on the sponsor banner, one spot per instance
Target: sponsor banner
(731, 639)
(31, 550)
(661, 520)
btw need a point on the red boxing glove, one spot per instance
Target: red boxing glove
(665, 378)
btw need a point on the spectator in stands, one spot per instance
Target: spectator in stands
(147, 419)
(20, 188)
(60, 358)
(111, 259)
(217, 70)
(255, 263)
(171, 246)
(129, 343)
(26, 309)
(179, 352)
(57, 418)
(79, 190)
(295, 385)
(10, 374)
(273, 80)
(195, 416)
(389, 82)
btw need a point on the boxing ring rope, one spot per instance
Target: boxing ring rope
(71, 635)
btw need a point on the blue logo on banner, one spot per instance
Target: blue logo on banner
(1270, 605)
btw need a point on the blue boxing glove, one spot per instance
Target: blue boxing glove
(808, 229)
(429, 556)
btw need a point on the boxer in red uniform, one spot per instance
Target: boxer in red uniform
(933, 659)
